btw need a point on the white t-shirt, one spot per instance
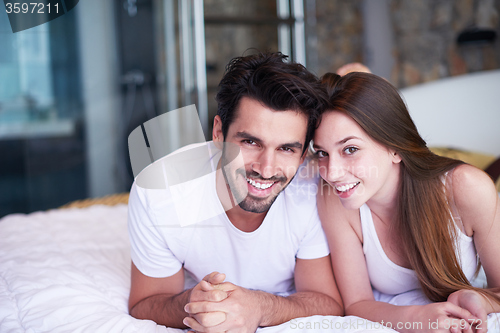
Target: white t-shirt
(263, 259)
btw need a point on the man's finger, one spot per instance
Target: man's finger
(196, 326)
(199, 307)
(216, 278)
(209, 319)
(192, 323)
(209, 276)
(206, 286)
(226, 286)
(208, 296)
(214, 295)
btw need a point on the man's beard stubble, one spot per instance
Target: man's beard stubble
(247, 202)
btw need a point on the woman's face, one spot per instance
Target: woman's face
(358, 168)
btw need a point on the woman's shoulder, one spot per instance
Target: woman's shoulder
(332, 213)
(474, 193)
(467, 181)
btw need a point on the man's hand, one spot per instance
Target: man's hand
(241, 310)
(208, 290)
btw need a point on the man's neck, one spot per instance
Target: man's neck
(241, 219)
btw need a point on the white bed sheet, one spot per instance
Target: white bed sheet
(69, 271)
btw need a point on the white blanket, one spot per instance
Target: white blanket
(69, 271)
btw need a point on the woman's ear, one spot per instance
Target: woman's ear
(395, 157)
(217, 135)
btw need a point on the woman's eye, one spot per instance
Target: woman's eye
(321, 153)
(350, 150)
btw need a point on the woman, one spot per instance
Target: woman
(400, 218)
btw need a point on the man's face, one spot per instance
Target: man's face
(271, 144)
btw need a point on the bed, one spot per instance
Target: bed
(68, 270)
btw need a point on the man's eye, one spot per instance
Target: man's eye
(249, 142)
(287, 149)
(350, 150)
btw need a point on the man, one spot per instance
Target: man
(265, 236)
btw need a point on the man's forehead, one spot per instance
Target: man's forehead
(252, 108)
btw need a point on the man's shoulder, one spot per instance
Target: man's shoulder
(166, 187)
(181, 165)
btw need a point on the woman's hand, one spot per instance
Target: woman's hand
(473, 302)
(444, 317)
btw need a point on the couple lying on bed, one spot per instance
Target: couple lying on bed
(398, 219)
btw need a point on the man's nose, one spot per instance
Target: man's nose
(265, 164)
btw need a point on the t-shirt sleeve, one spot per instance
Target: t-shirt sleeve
(314, 244)
(149, 249)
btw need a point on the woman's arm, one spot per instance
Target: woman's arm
(478, 205)
(342, 228)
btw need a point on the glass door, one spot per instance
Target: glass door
(198, 38)
(42, 146)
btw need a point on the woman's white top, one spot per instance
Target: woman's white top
(389, 278)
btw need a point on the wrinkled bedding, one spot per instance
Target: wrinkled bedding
(68, 270)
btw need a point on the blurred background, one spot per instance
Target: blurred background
(72, 89)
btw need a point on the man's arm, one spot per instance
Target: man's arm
(317, 294)
(163, 299)
(159, 299)
(315, 277)
(246, 309)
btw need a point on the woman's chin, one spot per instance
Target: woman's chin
(351, 203)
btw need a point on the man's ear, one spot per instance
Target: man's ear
(217, 135)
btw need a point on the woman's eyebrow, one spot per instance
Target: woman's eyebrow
(352, 137)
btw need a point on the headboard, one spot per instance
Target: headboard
(460, 112)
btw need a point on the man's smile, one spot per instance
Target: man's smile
(259, 185)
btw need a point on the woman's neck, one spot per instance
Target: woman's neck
(384, 203)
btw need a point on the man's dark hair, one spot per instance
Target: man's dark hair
(279, 85)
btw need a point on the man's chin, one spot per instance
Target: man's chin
(256, 206)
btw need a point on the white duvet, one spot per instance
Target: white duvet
(69, 271)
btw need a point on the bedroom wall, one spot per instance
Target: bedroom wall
(408, 42)
(458, 112)
(336, 38)
(425, 34)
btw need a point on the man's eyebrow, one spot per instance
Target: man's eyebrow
(247, 136)
(296, 144)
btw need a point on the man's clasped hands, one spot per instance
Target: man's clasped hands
(218, 306)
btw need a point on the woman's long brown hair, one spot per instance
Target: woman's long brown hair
(424, 214)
